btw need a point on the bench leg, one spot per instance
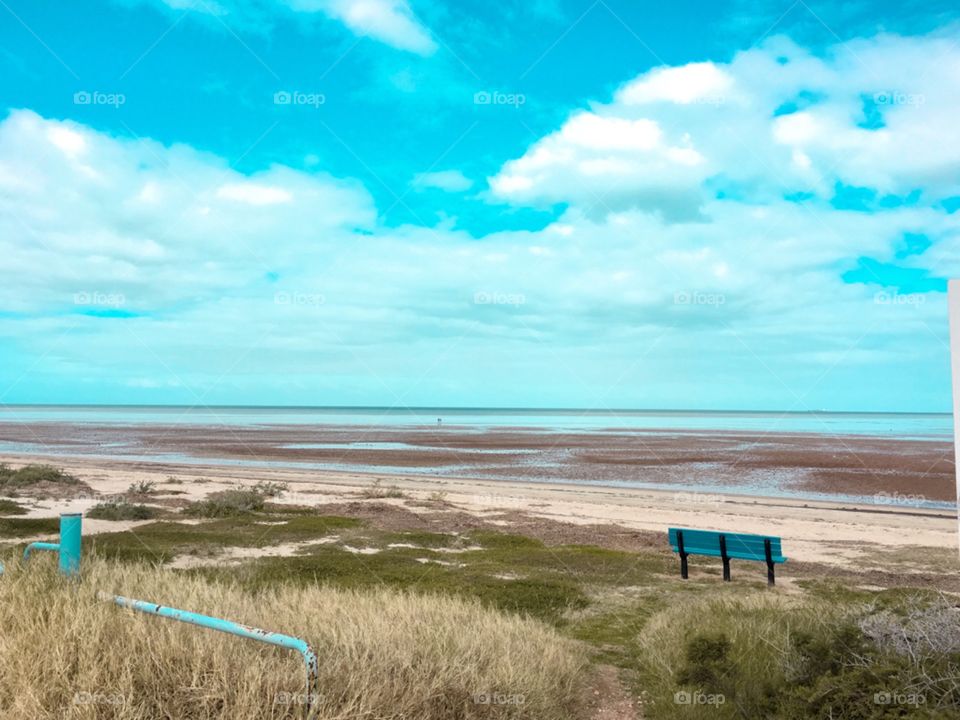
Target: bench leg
(726, 558)
(683, 555)
(769, 559)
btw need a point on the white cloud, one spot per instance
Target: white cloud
(388, 21)
(607, 163)
(696, 82)
(149, 221)
(449, 180)
(69, 141)
(671, 137)
(254, 194)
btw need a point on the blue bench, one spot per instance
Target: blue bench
(724, 545)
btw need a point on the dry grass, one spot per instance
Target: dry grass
(383, 654)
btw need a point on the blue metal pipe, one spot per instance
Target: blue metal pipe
(245, 631)
(71, 540)
(71, 532)
(55, 547)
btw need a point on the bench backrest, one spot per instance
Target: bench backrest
(740, 546)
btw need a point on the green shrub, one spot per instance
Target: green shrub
(768, 656)
(706, 662)
(9, 507)
(271, 489)
(227, 503)
(121, 511)
(34, 475)
(143, 487)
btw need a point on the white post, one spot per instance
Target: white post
(953, 301)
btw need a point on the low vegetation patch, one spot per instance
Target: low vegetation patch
(164, 540)
(385, 654)
(121, 510)
(142, 488)
(9, 507)
(269, 489)
(377, 490)
(27, 527)
(227, 503)
(767, 656)
(33, 475)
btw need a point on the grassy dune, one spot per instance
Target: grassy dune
(383, 653)
(438, 616)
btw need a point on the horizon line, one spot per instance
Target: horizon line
(455, 408)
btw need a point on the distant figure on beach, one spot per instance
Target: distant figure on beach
(439, 421)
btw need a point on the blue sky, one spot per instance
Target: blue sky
(546, 203)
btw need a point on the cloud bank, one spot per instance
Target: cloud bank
(770, 232)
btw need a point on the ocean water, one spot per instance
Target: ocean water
(932, 426)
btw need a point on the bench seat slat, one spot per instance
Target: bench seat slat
(740, 546)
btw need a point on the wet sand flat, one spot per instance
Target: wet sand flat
(888, 470)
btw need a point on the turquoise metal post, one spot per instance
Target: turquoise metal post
(71, 533)
(71, 539)
(244, 631)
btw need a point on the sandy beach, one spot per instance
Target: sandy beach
(838, 534)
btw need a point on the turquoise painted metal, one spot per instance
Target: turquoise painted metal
(724, 545)
(738, 545)
(69, 547)
(245, 631)
(71, 540)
